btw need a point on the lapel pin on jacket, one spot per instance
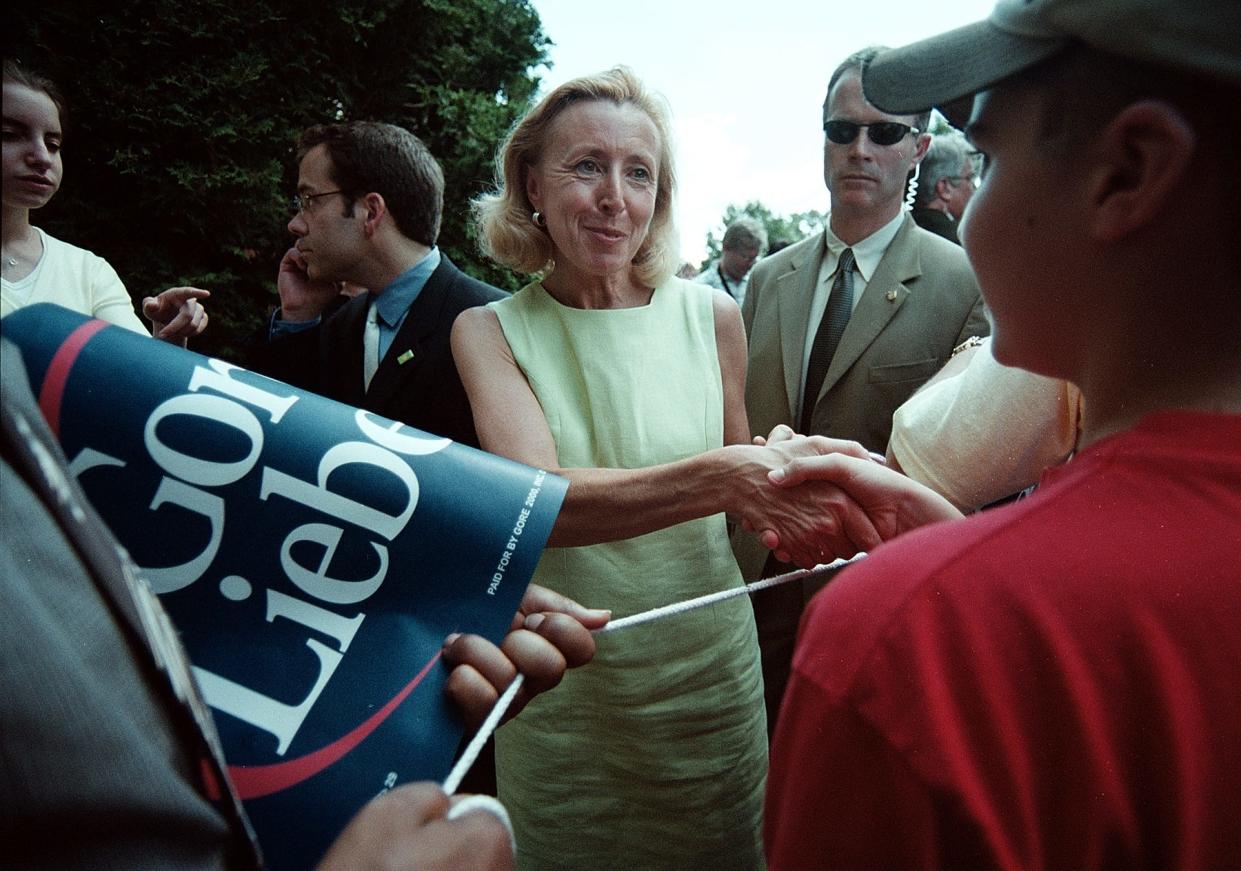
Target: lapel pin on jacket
(891, 296)
(405, 357)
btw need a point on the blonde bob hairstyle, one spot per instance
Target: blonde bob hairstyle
(503, 218)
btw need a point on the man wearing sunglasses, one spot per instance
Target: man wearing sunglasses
(845, 326)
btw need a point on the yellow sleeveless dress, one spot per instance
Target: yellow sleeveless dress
(655, 755)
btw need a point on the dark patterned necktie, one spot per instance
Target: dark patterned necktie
(831, 328)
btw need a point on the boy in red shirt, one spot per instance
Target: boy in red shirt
(1054, 683)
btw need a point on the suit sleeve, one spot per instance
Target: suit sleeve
(758, 276)
(292, 358)
(977, 324)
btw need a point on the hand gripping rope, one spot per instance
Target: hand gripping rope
(453, 781)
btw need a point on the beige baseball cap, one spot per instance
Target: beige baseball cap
(1199, 36)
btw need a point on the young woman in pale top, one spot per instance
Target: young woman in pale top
(38, 267)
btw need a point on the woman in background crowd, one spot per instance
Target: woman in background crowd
(38, 267)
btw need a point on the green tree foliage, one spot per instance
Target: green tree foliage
(183, 119)
(789, 229)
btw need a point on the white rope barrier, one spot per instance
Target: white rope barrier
(468, 757)
(722, 595)
(480, 738)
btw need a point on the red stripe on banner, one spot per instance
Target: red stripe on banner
(256, 781)
(52, 393)
(211, 786)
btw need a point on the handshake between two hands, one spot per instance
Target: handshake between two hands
(820, 499)
(811, 499)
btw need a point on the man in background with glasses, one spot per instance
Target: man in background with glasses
(945, 185)
(367, 213)
(844, 326)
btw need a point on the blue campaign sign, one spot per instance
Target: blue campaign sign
(312, 556)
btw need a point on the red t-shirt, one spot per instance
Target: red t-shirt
(1054, 684)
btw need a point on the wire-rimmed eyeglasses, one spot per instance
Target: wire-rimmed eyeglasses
(302, 202)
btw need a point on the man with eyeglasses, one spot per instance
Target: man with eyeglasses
(844, 326)
(945, 185)
(367, 214)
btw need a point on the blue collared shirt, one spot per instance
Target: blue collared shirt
(394, 302)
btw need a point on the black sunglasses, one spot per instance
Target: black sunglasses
(880, 133)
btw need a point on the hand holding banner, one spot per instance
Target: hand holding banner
(312, 556)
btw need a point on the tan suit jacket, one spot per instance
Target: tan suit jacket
(921, 302)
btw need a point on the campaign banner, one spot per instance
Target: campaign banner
(312, 556)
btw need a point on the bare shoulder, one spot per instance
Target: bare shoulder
(729, 327)
(723, 305)
(477, 331)
(476, 318)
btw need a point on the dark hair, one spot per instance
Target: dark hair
(744, 233)
(857, 61)
(17, 74)
(1070, 114)
(388, 160)
(1073, 111)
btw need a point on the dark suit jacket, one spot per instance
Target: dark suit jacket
(937, 222)
(424, 392)
(105, 740)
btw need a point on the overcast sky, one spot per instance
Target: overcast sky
(745, 82)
